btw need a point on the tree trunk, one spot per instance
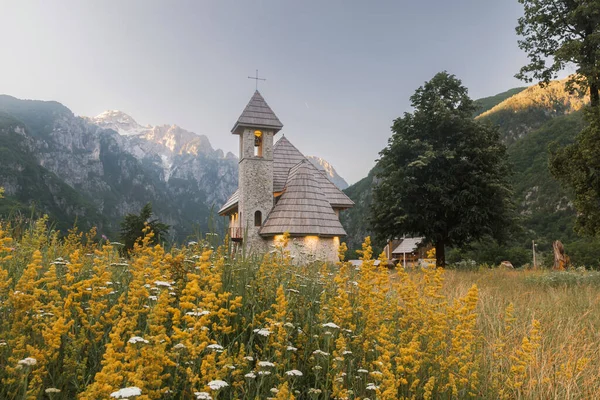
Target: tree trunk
(594, 94)
(560, 258)
(440, 254)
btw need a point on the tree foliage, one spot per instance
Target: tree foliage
(443, 175)
(578, 167)
(558, 33)
(133, 226)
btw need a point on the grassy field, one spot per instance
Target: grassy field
(79, 321)
(566, 304)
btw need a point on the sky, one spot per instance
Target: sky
(338, 72)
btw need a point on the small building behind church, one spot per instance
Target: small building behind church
(407, 251)
(280, 191)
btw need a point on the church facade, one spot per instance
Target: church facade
(281, 191)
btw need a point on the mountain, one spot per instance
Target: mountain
(103, 175)
(331, 173)
(529, 120)
(486, 103)
(94, 170)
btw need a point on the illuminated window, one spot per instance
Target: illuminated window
(257, 218)
(258, 144)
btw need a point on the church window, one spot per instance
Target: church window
(257, 218)
(258, 143)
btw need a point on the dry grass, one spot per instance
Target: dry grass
(568, 362)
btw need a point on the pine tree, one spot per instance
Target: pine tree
(133, 225)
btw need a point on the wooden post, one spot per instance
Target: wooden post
(533, 247)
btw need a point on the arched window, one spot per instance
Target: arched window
(257, 218)
(258, 144)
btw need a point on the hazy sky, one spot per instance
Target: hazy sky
(338, 72)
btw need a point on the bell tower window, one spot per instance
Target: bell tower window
(257, 218)
(258, 143)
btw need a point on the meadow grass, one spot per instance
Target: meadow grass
(77, 320)
(566, 304)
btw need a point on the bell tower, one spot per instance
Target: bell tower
(256, 128)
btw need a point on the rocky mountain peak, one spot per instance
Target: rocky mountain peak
(118, 121)
(331, 173)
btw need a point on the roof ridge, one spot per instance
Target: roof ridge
(257, 113)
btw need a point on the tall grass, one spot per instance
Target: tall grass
(78, 321)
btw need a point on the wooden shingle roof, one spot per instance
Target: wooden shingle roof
(257, 114)
(302, 209)
(286, 156)
(231, 203)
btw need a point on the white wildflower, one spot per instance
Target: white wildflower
(202, 396)
(362, 371)
(314, 391)
(291, 348)
(294, 372)
(371, 386)
(274, 390)
(331, 325)
(249, 358)
(320, 352)
(262, 332)
(153, 298)
(265, 364)
(179, 346)
(28, 361)
(264, 372)
(250, 375)
(346, 352)
(217, 384)
(52, 390)
(197, 313)
(214, 346)
(127, 392)
(137, 339)
(162, 283)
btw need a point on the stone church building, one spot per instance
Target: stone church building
(281, 191)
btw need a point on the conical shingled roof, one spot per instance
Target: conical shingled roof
(258, 114)
(286, 156)
(302, 209)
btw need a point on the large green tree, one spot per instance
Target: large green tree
(577, 166)
(559, 33)
(133, 225)
(556, 34)
(443, 175)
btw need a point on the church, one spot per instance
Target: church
(280, 191)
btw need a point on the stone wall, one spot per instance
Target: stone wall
(255, 186)
(311, 248)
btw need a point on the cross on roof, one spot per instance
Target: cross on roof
(257, 79)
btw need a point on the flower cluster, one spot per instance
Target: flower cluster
(78, 321)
